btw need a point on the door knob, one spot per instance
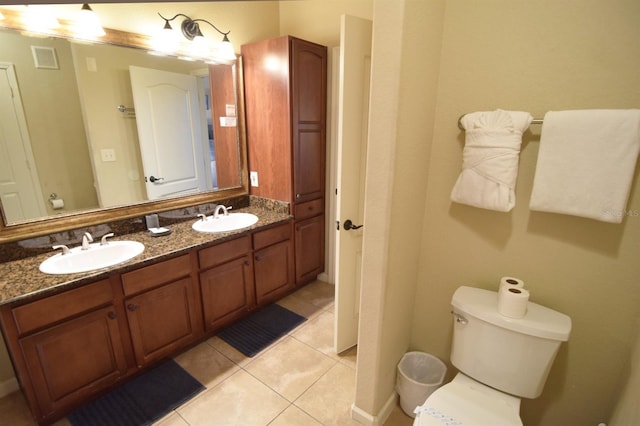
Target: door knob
(154, 179)
(348, 225)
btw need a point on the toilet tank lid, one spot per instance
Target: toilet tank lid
(539, 321)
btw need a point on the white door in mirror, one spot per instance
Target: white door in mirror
(97, 256)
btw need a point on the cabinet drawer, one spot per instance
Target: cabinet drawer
(308, 209)
(52, 309)
(271, 236)
(224, 252)
(154, 275)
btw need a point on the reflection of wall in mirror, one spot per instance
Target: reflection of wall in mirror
(54, 122)
(103, 87)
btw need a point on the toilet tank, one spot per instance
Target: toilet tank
(511, 355)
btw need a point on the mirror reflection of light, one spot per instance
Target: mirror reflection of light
(40, 19)
(87, 23)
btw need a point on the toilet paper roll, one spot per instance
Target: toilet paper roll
(513, 301)
(57, 203)
(511, 282)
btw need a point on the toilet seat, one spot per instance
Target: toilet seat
(465, 402)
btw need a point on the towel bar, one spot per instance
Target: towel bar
(534, 121)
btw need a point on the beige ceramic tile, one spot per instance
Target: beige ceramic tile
(290, 367)
(329, 400)
(229, 351)
(349, 357)
(300, 306)
(317, 293)
(318, 333)
(293, 416)
(14, 410)
(171, 419)
(206, 364)
(239, 400)
(398, 418)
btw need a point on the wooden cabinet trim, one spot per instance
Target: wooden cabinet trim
(53, 309)
(160, 273)
(224, 252)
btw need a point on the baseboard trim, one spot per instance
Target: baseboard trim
(8, 386)
(367, 419)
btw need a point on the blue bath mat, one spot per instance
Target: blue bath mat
(142, 401)
(257, 331)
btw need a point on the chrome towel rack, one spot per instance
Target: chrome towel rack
(534, 121)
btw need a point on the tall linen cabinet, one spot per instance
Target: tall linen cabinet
(286, 101)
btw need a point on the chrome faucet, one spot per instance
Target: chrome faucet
(224, 209)
(86, 239)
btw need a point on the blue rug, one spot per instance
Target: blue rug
(257, 331)
(142, 400)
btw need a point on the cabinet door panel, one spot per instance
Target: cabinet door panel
(273, 271)
(309, 248)
(161, 320)
(74, 359)
(227, 292)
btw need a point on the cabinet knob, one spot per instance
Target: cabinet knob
(257, 258)
(246, 263)
(112, 315)
(132, 307)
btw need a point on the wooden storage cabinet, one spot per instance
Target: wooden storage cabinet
(163, 315)
(66, 347)
(273, 263)
(309, 240)
(286, 134)
(226, 283)
(74, 359)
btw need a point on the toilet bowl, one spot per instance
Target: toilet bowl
(463, 401)
(499, 359)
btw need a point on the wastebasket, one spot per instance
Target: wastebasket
(419, 374)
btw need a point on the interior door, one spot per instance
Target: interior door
(169, 120)
(19, 189)
(353, 112)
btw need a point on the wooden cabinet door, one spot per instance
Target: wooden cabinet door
(227, 292)
(162, 320)
(74, 359)
(274, 268)
(309, 249)
(308, 118)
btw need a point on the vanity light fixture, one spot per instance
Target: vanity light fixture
(199, 47)
(87, 23)
(39, 19)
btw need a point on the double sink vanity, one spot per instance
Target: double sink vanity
(73, 336)
(77, 322)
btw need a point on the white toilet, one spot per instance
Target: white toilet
(500, 360)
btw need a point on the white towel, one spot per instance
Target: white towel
(586, 163)
(490, 159)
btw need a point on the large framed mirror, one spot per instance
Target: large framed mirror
(87, 145)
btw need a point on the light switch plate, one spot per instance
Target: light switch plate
(253, 176)
(108, 155)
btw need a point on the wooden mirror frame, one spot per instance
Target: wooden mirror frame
(50, 225)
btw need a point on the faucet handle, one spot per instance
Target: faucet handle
(226, 210)
(202, 216)
(103, 241)
(65, 249)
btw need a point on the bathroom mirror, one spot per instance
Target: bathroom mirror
(80, 127)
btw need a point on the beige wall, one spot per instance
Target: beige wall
(535, 56)
(54, 121)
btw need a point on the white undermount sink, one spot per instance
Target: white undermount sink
(97, 256)
(225, 223)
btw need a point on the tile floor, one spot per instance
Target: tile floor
(298, 381)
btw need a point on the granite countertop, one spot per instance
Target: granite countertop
(21, 279)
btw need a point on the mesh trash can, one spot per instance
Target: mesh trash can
(419, 374)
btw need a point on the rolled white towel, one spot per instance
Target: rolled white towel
(490, 159)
